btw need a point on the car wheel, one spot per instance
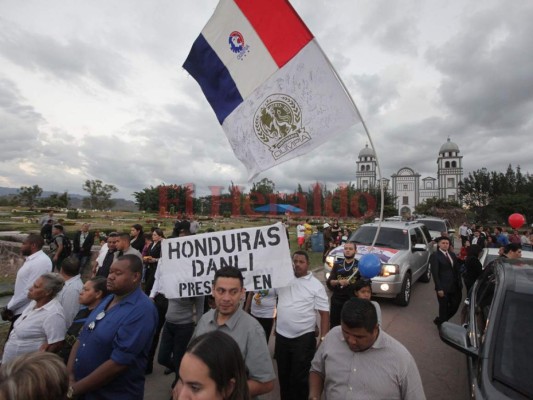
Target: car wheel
(405, 294)
(426, 277)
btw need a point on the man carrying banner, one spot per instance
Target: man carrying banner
(295, 328)
(230, 318)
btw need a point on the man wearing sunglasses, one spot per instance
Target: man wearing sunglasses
(109, 358)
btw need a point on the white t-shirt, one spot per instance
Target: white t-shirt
(264, 303)
(34, 328)
(298, 304)
(300, 230)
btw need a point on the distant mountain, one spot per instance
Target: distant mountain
(75, 199)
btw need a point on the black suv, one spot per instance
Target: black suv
(497, 332)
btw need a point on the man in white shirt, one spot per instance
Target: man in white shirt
(69, 295)
(36, 264)
(298, 304)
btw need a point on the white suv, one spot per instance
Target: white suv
(404, 250)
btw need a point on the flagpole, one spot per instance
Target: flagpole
(382, 203)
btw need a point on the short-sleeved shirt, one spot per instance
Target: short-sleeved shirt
(35, 327)
(308, 229)
(263, 303)
(300, 231)
(249, 335)
(384, 371)
(123, 335)
(297, 306)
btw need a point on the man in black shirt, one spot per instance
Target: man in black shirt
(103, 270)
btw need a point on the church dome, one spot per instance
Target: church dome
(367, 152)
(448, 147)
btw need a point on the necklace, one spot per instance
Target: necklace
(344, 265)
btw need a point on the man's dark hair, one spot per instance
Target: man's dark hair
(499, 229)
(352, 242)
(359, 313)
(125, 236)
(35, 239)
(70, 266)
(229, 272)
(113, 234)
(134, 262)
(59, 226)
(441, 238)
(514, 247)
(301, 253)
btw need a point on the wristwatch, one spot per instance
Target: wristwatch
(322, 338)
(70, 393)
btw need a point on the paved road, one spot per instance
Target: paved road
(443, 369)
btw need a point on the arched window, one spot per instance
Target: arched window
(454, 164)
(447, 164)
(362, 167)
(368, 167)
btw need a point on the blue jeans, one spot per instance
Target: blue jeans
(173, 344)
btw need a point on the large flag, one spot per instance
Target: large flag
(271, 86)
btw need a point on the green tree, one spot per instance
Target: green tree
(433, 205)
(99, 195)
(148, 199)
(28, 195)
(496, 195)
(55, 200)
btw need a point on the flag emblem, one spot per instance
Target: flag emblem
(237, 45)
(278, 125)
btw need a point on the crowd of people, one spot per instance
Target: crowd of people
(451, 270)
(105, 331)
(109, 330)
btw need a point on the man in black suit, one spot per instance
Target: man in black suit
(83, 242)
(445, 270)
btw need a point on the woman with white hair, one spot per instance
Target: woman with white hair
(41, 326)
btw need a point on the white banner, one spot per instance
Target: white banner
(188, 264)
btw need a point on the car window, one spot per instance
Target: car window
(419, 236)
(414, 239)
(388, 237)
(483, 303)
(434, 225)
(513, 348)
(425, 230)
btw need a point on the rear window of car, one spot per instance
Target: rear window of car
(388, 237)
(435, 225)
(513, 349)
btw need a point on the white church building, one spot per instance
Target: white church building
(406, 184)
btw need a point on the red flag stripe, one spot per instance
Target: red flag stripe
(277, 24)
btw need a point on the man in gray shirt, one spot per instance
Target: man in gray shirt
(229, 317)
(358, 360)
(124, 247)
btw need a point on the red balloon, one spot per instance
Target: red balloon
(516, 220)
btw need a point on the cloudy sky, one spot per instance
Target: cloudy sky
(95, 90)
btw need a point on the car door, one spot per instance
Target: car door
(418, 259)
(477, 319)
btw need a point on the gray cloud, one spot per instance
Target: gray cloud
(487, 74)
(65, 60)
